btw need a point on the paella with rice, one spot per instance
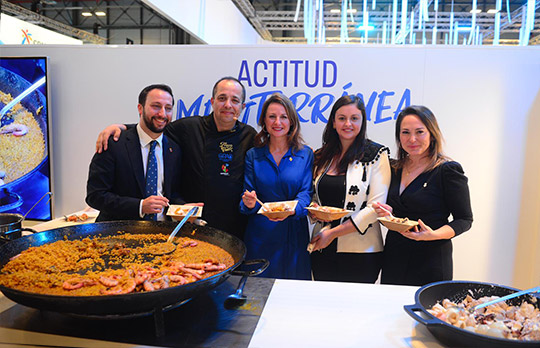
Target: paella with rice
(22, 145)
(112, 265)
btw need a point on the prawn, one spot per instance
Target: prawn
(140, 278)
(156, 284)
(194, 273)
(219, 267)
(164, 282)
(178, 279)
(125, 288)
(196, 265)
(77, 283)
(16, 129)
(189, 243)
(148, 286)
(108, 282)
(207, 266)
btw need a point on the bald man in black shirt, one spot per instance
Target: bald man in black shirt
(213, 152)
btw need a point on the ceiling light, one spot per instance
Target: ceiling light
(337, 10)
(475, 11)
(365, 27)
(493, 10)
(86, 14)
(100, 13)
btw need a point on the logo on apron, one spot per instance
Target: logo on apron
(225, 169)
(225, 156)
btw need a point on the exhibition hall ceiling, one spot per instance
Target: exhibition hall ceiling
(469, 22)
(371, 20)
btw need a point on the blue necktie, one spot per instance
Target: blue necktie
(151, 176)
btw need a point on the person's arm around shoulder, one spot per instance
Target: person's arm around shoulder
(103, 138)
(180, 129)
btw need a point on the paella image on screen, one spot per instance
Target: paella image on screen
(24, 127)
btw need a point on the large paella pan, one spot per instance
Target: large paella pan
(124, 304)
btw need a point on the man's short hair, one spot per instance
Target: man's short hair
(146, 90)
(230, 78)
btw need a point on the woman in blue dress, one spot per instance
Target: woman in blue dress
(278, 168)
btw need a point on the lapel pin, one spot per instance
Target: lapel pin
(425, 184)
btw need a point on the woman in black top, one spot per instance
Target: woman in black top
(350, 172)
(425, 186)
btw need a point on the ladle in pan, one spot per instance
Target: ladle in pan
(5, 109)
(500, 299)
(168, 246)
(157, 249)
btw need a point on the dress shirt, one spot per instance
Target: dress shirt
(145, 140)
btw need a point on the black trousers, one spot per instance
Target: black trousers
(329, 265)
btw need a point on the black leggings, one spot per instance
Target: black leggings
(329, 265)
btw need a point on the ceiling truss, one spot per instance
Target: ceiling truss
(274, 20)
(35, 18)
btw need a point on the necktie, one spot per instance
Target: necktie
(151, 176)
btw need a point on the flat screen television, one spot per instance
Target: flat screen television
(25, 161)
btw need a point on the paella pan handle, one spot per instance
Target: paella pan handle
(411, 311)
(4, 239)
(238, 298)
(254, 272)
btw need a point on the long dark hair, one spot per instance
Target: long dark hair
(332, 147)
(435, 150)
(294, 138)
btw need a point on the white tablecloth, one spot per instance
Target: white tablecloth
(329, 314)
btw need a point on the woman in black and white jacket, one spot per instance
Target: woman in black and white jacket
(350, 172)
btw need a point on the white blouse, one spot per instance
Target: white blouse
(367, 182)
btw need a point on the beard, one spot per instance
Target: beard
(150, 124)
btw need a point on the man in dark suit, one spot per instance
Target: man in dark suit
(132, 180)
(214, 149)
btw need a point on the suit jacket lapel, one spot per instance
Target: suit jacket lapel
(133, 146)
